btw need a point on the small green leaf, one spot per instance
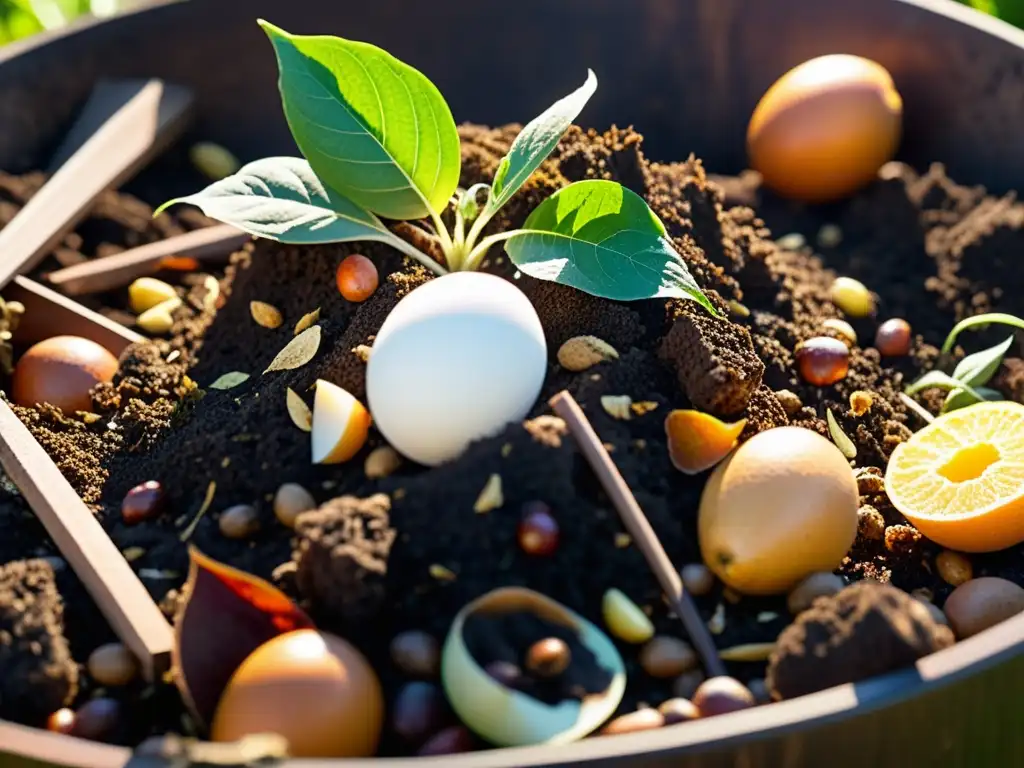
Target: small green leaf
(230, 380)
(280, 198)
(372, 127)
(980, 321)
(978, 369)
(959, 398)
(602, 238)
(840, 438)
(942, 380)
(535, 142)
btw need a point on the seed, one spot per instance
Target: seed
(759, 690)
(790, 401)
(143, 502)
(97, 720)
(697, 579)
(416, 653)
(357, 278)
(491, 497)
(212, 160)
(893, 337)
(549, 657)
(290, 501)
(721, 695)
(158, 319)
(239, 522)
(112, 665)
(61, 721)
(852, 297)
(538, 530)
(841, 327)
(418, 711)
(686, 685)
(823, 360)
(450, 741)
(582, 352)
(870, 523)
(954, 568)
(146, 292)
(678, 711)
(821, 584)
(505, 672)
(624, 618)
(667, 656)
(382, 462)
(642, 720)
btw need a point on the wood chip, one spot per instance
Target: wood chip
(491, 497)
(362, 352)
(644, 406)
(299, 351)
(211, 489)
(302, 416)
(265, 314)
(306, 321)
(212, 293)
(230, 380)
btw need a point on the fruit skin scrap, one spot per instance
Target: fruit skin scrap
(698, 441)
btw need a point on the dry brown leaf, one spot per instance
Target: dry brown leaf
(306, 321)
(297, 352)
(265, 314)
(302, 417)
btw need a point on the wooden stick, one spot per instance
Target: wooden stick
(639, 528)
(915, 407)
(104, 274)
(135, 121)
(48, 313)
(92, 555)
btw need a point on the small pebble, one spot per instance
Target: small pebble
(548, 658)
(634, 722)
(981, 603)
(721, 695)
(954, 568)
(381, 462)
(418, 711)
(852, 297)
(450, 741)
(505, 672)
(416, 653)
(666, 656)
(697, 579)
(842, 328)
(686, 685)
(822, 361)
(143, 502)
(239, 522)
(893, 338)
(290, 501)
(678, 711)
(821, 584)
(870, 523)
(97, 720)
(61, 721)
(538, 530)
(112, 665)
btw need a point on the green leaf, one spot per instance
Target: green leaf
(230, 380)
(280, 198)
(942, 380)
(372, 127)
(535, 142)
(602, 238)
(978, 369)
(840, 438)
(960, 398)
(980, 321)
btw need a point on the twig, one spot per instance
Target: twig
(639, 528)
(917, 408)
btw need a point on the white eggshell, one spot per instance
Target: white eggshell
(457, 359)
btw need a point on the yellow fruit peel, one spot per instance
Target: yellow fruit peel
(698, 441)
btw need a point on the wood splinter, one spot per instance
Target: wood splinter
(639, 528)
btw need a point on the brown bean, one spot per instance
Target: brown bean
(982, 603)
(549, 657)
(665, 656)
(290, 501)
(416, 653)
(418, 711)
(143, 502)
(634, 722)
(678, 711)
(239, 522)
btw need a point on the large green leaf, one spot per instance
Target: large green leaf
(280, 198)
(373, 128)
(602, 238)
(535, 142)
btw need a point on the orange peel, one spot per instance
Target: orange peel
(698, 441)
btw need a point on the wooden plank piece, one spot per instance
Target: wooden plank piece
(98, 563)
(48, 313)
(138, 119)
(104, 274)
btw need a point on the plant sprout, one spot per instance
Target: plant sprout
(379, 142)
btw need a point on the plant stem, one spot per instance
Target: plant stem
(410, 250)
(442, 231)
(1000, 318)
(478, 227)
(460, 227)
(480, 250)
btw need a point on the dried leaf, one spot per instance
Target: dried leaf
(297, 352)
(211, 489)
(643, 407)
(225, 614)
(747, 652)
(843, 443)
(265, 314)
(491, 497)
(698, 441)
(302, 416)
(230, 380)
(306, 321)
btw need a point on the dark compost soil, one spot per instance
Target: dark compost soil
(931, 250)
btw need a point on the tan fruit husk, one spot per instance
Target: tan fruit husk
(265, 314)
(506, 717)
(582, 352)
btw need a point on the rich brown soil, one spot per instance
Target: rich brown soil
(931, 250)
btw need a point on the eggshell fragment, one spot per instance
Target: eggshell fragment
(60, 371)
(340, 424)
(824, 128)
(313, 688)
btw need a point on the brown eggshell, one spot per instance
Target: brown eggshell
(60, 371)
(824, 128)
(314, 689)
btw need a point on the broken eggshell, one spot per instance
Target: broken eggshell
(510, 718)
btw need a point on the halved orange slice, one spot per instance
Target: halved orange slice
(960, 480)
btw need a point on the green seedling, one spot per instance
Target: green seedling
(379, 142)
